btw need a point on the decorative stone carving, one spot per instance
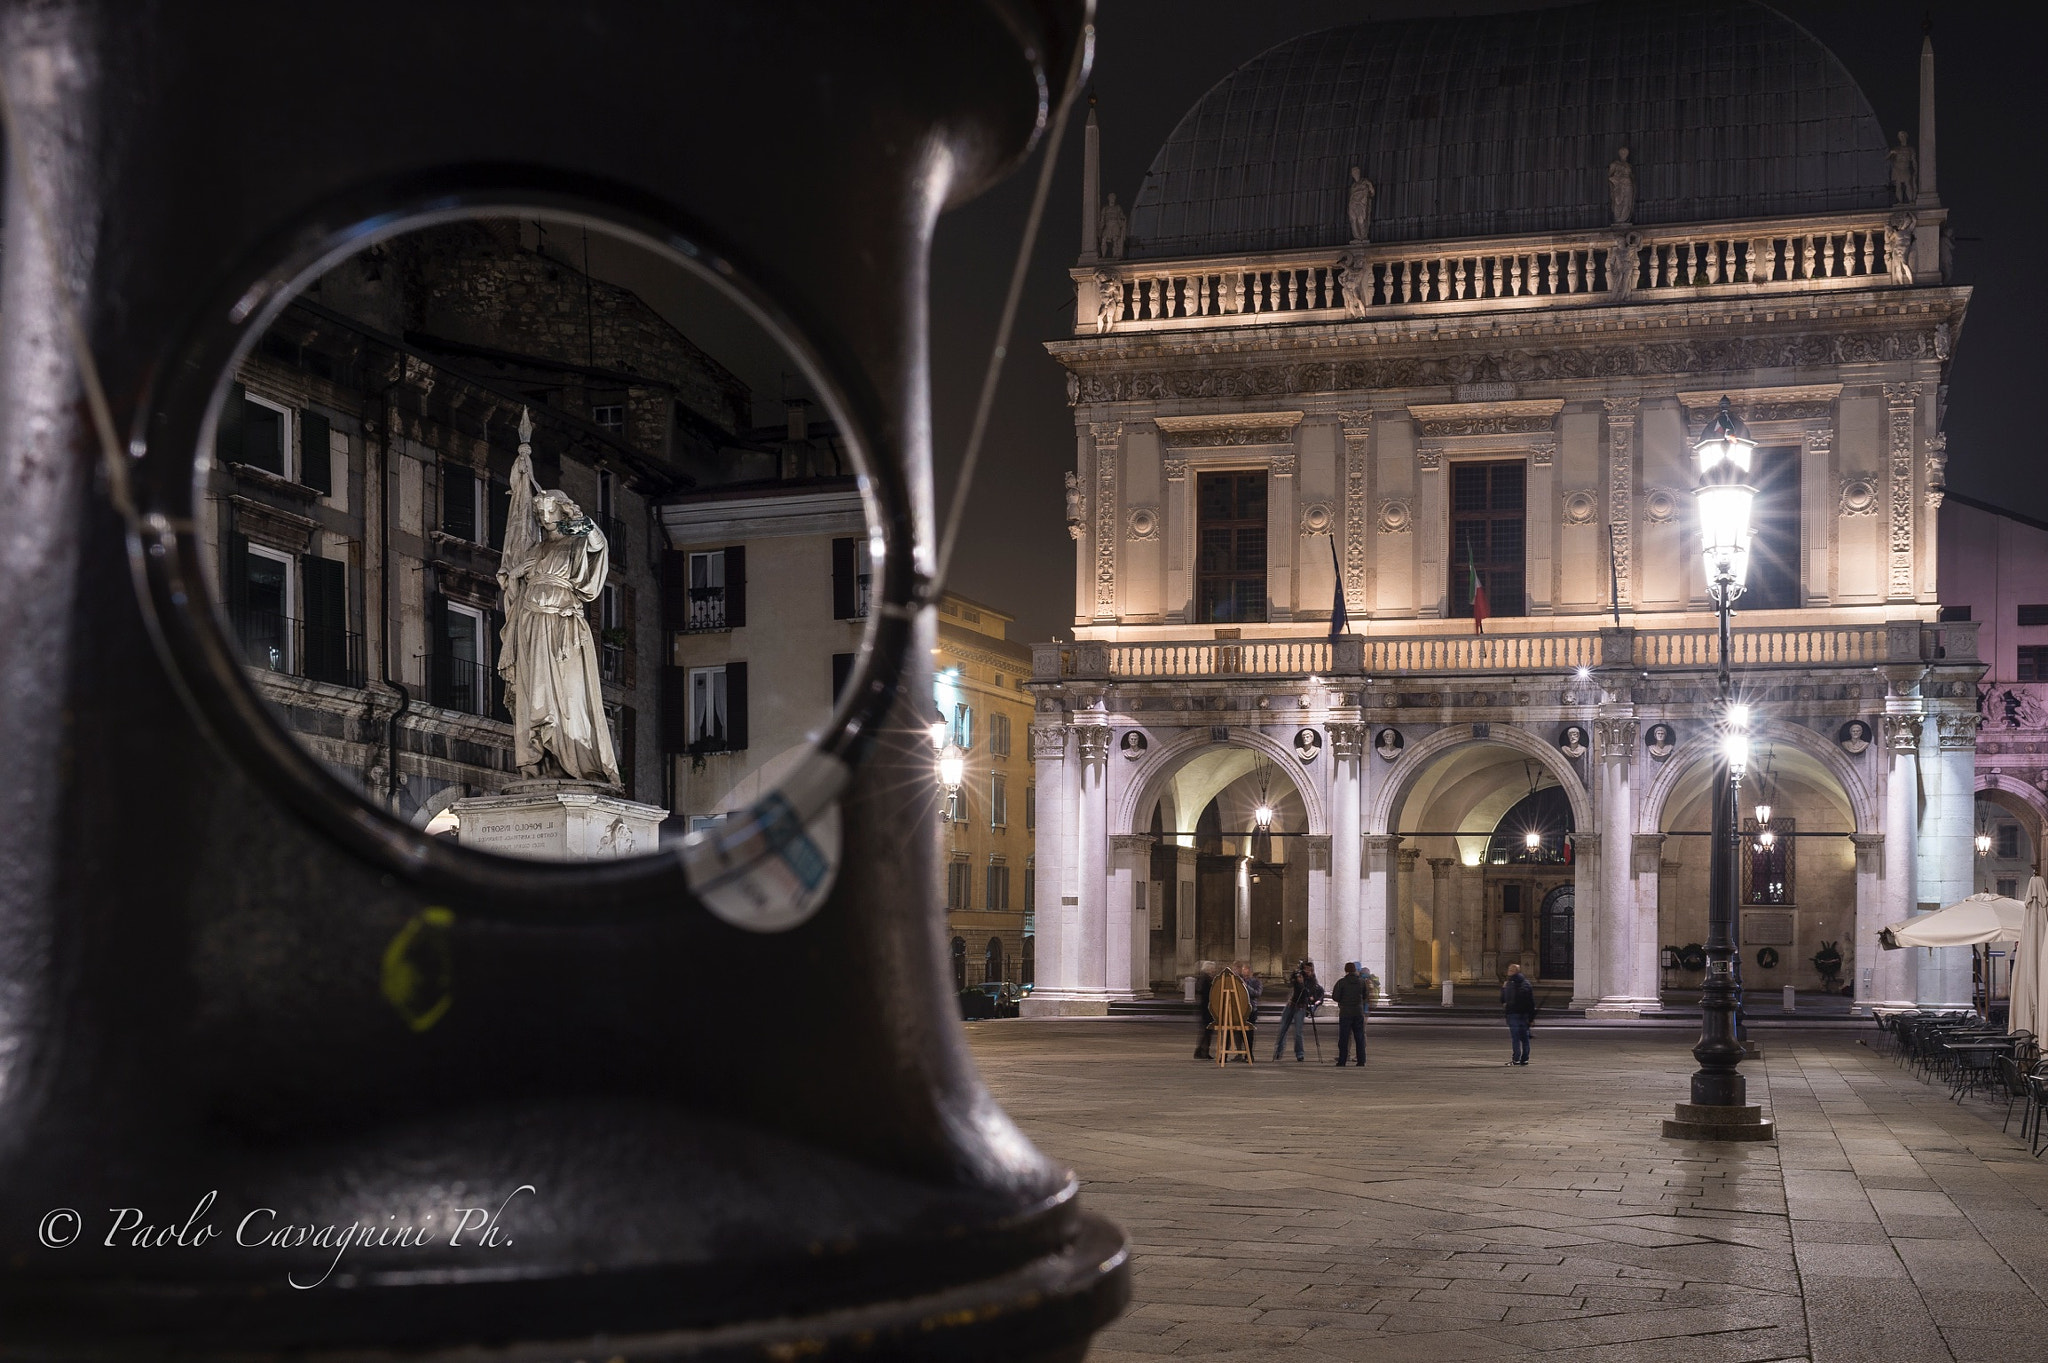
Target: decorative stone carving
(1073, 388)
(1614, 740)
(1077, 506)
(1958, 729)
(1621, 188)
(1346, 741)
(1626, 352)
(1395, 517)
(1571, 741)
(1621, 447)
(1176, 470)
(1904, 165)
(1388, 744)
(1281, 466)
(1317, 518)
(1854, 736)
(1869, 852)
(1354, 277)
(1900, 399)
(1091, 741)
(1112, 224)
(1542, 451)
(1661, 740)
(1438, 421)
(1133, 744)
(1109, 301)
(1308, 745)
(1902, 733)
(1108, 435)
(1358, 200)
(1937, 470)
(1143, 523)
(1048, 741)
(1624, 259)
(1357, 432)
(1660, 506)
(1944, 337)
(1813, 402)
(1579, 507)
(1859, 495)
(1899, 235)
(1429, 458)
(1247, 428)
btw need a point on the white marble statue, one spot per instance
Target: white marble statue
(1113, 223)
(1358, 201)
(1621, 188)
(554, 564)
(1904, 164)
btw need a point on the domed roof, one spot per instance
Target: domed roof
(1506, 123)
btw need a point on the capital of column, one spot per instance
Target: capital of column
(1318, 847)
(1958, 729)
(1901, 732)
(1346, 741)
(1587, 844)
(1439, 867)
(1133, 850)
(1869, 852)
(1092, 742)
(1647, 853)
(1380, 849)
(1614, 740)
(1049, 742)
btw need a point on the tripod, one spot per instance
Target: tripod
(1315, 1031)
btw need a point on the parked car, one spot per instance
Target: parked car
(994, 1000)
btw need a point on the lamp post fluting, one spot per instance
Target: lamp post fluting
(1719, 1109)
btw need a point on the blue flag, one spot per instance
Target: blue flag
(1340, 618)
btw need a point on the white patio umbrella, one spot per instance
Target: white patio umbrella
(2030, 966)
(1967, 922)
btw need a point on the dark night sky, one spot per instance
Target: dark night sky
(1155, 58)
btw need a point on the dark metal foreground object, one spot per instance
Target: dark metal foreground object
(739, 1145)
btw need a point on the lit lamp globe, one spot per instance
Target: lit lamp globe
(1983, 844)
(1263, 817)
(1532, 840)
(1724, 496)
(1763, 816)
(952, 767)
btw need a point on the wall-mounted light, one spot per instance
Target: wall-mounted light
(952, 769)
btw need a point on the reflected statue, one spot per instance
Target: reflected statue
(554, 564)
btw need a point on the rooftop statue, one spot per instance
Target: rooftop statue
(1111, 226)
(554, 564)
(1621, 188)
(1358, 206)
(1905, 169)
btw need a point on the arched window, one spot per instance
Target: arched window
(1548, 814)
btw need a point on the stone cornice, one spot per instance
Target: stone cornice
(1227, 428)
(1485, 418)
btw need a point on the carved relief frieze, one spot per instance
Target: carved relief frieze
(1048, 741)
(1620, 355)
(1281, 465)
(1900, 399)
(1621, 444)
(1958, 728)
(1231, 428)
(1108, 437)
(1357, 431)
(1176, 470)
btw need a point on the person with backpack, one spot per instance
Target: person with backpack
(1350, 994)
(1304, 992)
(1518, 1001)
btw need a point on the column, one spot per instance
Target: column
(1894, 981)
(1646, 862)
(1322, 936)
(1947, 856)
(1091, 857)
(1378, 900)
(1864, 954)
(1283, 536)
(1433, 525)
(1457, 953)
(1589, 882)
(1347, 749)
(1621, 911)
(1127, 946)
(1053, 847)
(1401, 887)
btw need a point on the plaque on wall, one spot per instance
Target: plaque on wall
(1768, 928)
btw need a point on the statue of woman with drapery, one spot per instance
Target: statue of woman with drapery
(553, 564)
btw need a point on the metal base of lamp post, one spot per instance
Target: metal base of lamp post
(1700, 1122)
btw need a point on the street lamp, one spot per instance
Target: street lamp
(1532, 840)
(1983, 844)
(952, 769)
(1723, 495)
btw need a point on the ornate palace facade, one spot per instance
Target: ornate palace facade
(1463, 381)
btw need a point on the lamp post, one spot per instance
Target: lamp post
(1723, 495)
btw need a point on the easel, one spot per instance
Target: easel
(1231, 1007)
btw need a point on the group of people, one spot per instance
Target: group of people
(1305, 994)
(1353, 997)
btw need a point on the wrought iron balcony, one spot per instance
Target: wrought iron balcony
(272, 642)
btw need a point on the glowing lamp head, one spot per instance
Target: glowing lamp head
(1763, 816)
(1585, 672)
(938, 734)
(1263, 817)
(952, 768)
(1767, 839)
(1983, 844)
(1735, 747)
(1532, 840)
(1724, 497)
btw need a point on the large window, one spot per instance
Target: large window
(710, 709)
(999, 735)
(2033, 663)
(998, 886)
(463, 683)
(1489, 519)
(959, 885)
(998, 802)
(853, 570)
(1773, 581)
(266, 624)
(1230, 515)
(705, 590)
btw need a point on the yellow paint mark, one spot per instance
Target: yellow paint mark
(419, 968)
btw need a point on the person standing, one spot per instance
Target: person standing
(1304, 992)
(1518, 1001)
(1351, 999)
(1205, 981)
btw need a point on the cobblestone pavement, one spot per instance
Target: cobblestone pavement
(1439, 1205)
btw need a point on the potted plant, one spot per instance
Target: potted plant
(1828, 961)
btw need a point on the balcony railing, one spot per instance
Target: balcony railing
(706, 614)
(461, 684)
(279, 643)
(1557, 652)
(1784, 255)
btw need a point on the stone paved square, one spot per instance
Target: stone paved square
(1439, 1205)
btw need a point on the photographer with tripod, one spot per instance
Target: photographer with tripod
(1304, 992)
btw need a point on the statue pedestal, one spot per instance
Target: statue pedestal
(559, 821)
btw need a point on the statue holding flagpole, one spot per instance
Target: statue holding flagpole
(553, 564)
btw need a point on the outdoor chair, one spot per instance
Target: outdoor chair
(2013, 1081)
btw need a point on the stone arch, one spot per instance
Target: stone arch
(1418, 756)
(1148, 782)
(1863, 810)
(2014, 792)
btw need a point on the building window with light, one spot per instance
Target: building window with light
(1230, 534)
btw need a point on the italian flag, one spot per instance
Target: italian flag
(1479, 610)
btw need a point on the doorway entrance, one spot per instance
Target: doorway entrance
(1555, 950)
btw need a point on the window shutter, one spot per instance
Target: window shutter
(675, 590)
(629, 616)
(238, 578)
(316, 466)
(735, 703)
(628, 744)
(439, 674)
(325, 641)
(735, 586)
(227, 436)
(842, 672)
(844, 570)
(675, 709)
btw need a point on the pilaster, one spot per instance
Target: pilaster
(1108, 436)
(1357, 498)
(1900, 402)
(1622, 415)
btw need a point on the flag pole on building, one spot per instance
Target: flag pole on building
(1340, 618)
(1479, 606)
(1613, 577)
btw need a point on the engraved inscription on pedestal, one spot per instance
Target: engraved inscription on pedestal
(558, 821)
